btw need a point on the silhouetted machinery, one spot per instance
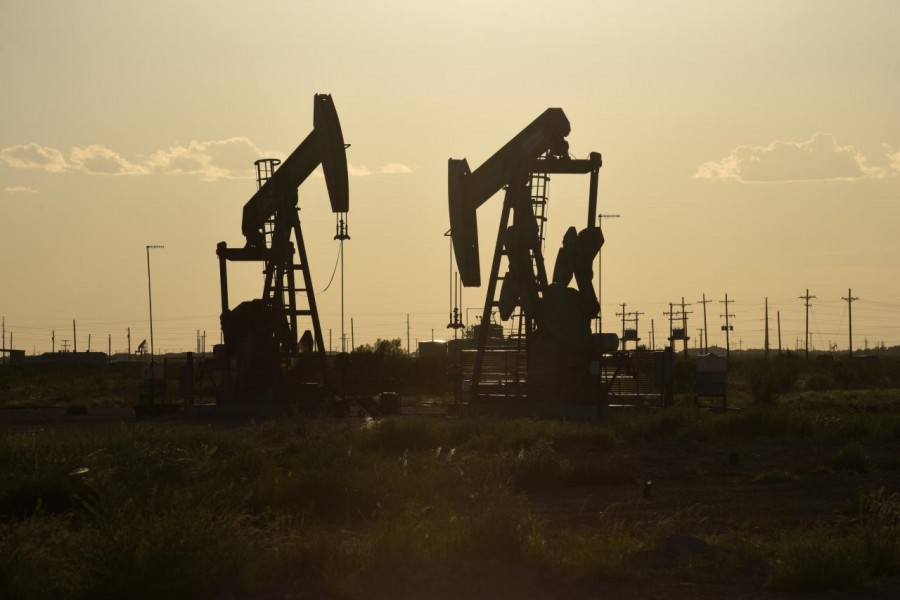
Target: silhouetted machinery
(549, 359)
(266, 357)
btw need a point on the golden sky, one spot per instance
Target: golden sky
(751, 148)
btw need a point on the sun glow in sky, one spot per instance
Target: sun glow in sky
(750, 148)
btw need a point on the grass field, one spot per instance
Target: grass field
(795, 495)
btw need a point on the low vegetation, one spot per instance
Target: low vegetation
(156, 510)
(369, 507)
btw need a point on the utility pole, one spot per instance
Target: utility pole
(767, 327)
(128, 335)
(342, 235)
(779, 332)
(849, 300)
(632, 318)
(109, 346)
(89, 342)
(623, 324)
(705, 326)
(352, 338)
(670, 313)
(806, 300)
(727, 327)
(652, 334)
(407, 332)
(684, 328)
(150, 297)
(600, 218)
(53, 341)
(637, 338)
(74, 338)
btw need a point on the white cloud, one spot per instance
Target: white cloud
(391, 168)
(894, 159)
(394, 168)
(34, 156)
(21, 189)
(100, 160)
(358, 170)
(230, 158)
(221, 159)
(820, 158)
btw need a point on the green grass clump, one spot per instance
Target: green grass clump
(820, 559)
(603, 556)
(851, 458)
(91, 385)
(816, 560)
(880, 522)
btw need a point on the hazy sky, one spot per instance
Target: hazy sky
(751, 148)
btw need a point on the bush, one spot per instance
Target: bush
(771, 379)
(879, 517)
(852, 458)
(816, 560)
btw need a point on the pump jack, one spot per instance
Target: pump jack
(554, 320)
(265, 357)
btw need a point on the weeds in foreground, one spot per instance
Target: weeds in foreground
(152, 511)
(602, 555)
(817, 560)
(821, 559)
(852, 458)
(185, 512)
(880, 521)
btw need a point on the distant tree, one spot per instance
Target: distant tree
(382, 348)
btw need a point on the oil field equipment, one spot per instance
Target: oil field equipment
(265, 356)
(548, 360)
(550, 363)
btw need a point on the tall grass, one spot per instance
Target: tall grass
(189, 512)
(154, 511)
(819, 558)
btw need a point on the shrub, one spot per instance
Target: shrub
(852, 458)
(817, 560)
(771, 379)
(879, 517)
(601, 556)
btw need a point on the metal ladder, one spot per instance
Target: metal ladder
(282, 293)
